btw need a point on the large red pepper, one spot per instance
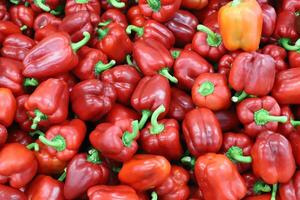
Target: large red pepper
(8, 107)
(44, 32)
(294, 139)
(279, 55)
(7, 28)
(135, 16)
(74, 6)
(22, 16)
(92, 99)
(225, 63)
(45, 19)
(285, 25)
(228, 120)
(214, 173)
(211, 91)
(145, 171)
(114, 15)
(148, 96)
(53, 55)
(21, 116)
(105, 192)
(202, 131)
(291, 189)
(120, 112)
(83, 172)
(18, 165)
(48, 104)
(7, 192)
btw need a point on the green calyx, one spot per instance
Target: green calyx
(39, 116)
(58, 142)
(206, 88)
(262, 117)
(128, 137)
(86, 37)
(261, 187)
(93, 156)
(154, 196)
(139, 30)
(274, 191)
(30, 82)
(235, 154)
(102, 33)
(213, 39)
(157, 128)
(188, 161)
(33, 146)
(116, 3)
(145, 116)
(285, 43)
(175, 54)
(100, 66)
(165, 72)
(155, 5)
(239, 96)
(41, 4)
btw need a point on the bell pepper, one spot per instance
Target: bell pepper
(135, 16)
(260, 114)
(194, 5)
(175, 186)
(286, 90)
(211, 21)
(154, 136)
(269, 21)
(84, 171)
(246, 21)
(124, 78)
(22, 16)
(21, 116)
(116, 140)
(74, 6)
(148, 96)
(245, 72)
(214, 173)
(8, 107)
(11, 75)
(180, 104)
(114, 15)
(188, 66)
(285, 25)
(291, 124)
(294, 139)
(45, 187)
(145, 171)
(255, 186)
(118, 4)
(208, 43)
(19, 136)
(279, 55)
(44, 19)
(106, 192)
(154, 30)
(4, 15)
(294, 58)
(3, 135)
(292, 5)
(44, 32)
(211, 91)
(68, 78)
(48, 104)
(120, 112)
(7, 192)
(7, 28)
(92, 99)
(183, 25)
(18, 165)
(113, 41)
(202, 131)
(228, 120)
(225, 62)
(159, 10)
(261, 197)
(291, 189)
(44, 5)
(17, 46)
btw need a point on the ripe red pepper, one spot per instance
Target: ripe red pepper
(290, 125)
(105, 192)
(8, 107)
(254, 185)
(148, 96)
(48, 104)
(19, 136)
(260, 114)
(118, 4)
(269, 20)
(53, 55)
(120, 112)
(202, 131)
(11, 193)
(294, 58)
(261, 197)
(83, 172)
(214, 172)
(18, 165)
(74, 6)
(4, 15)
(135, 16)
(44, 5)
(294, 139)
(22, 16)
(3, 135)
(291, 189)
(228, 120)
(211, 91)
(7, 28)
(212, 7)
(68, 78)
(45, 187)
(194, 4)
(44, 32)
(145, 171)
(92, 99)
(114, 15)
(21, 116)
(285, 25)
(45, 19)
(279, 55)
(188, 66)
(225, 62)
(211, 21)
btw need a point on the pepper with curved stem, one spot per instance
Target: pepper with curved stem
(213, 39)
(165, 72)
(128, 137)
(93, 156)
(156, 128)
(262, 117)
(139, 30)
(155, 5)
(206, 88)
(188, 161)
(41, 5)
(238, 97)
(39, 116)
(37, 132)
(100, 66)
(23, 28)
(76, 46)
(63, 176)
(30, 82)
(102, 33)
(235, 154)
(116, 3)
(145, 115)
(285, 43)
(58, 142)
(261, 187)
(274, 191)
(154, 196)
(105, 23)
(33, 146)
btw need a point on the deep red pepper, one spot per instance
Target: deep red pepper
(44, 19)
(285, 25)
(118, 4)
(269, 20)
(4, 15)
(114, 15)
(8, 107)
(261, 197)
(194, 4)
(225, 62)
(294, 58)
(292, 5)
(211, 21)
(120, 112)
(228, 120)
(135, 16)
(44, 5)
(92, 99)
(44, 32)
(74, 6)
(19, 136)
(7, 28)
(250, 180)
(294, 139)
(68, 78)
(21, 116)
(22, 16)
(7, 192)
(3, 135)
(105, 192)
(291, 124)
(291, 189)
(279, 55)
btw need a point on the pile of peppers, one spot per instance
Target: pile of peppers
(149, 99)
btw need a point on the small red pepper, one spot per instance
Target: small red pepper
(105, 192)
(4, 15)
(119, 4)
(294, 58)
(285, 25)
(44, 5)
(254, 185)
(225, 62)
(8, 107)
(68, 78)
(291, 189)
(120, 112)
(44, 32)
(114, 15)
(74, 6)
(7, 28)
(194, 4)
(279, 55)
(22, 16)
(135, 16)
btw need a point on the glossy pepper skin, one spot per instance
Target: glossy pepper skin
(53, 55)
(290, 126)
(17, 46)
(8, 107)
(202, 131)
(3, 135)
(7, 28)
(135, 16)
(211, 91)
(279, 55)
(4, 16)
(114, 15)
(73, 6)
(175, 186)
(83, 172)
(159, 10)
(228, 120)
(41, 6)
(294, 58)
(285, 25)
(291, 189)
(286, 86)
(120, 112)
(194, 4)
(269, 20)
(92, 99)
(48, 104)
(22, 16)
(45, 187)
(18, 165)
(21, 116)
(105, 192)
(294, 139)
(225, 62)
(211, 171)
(44, 19)
(7, 192)
(246, 21)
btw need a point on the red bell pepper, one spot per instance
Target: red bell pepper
(225, 62)
(291, 124)
(148, 96)
(17, 46)
(116, 140)
(18, 165)
(53, 55)
(7, 28)
(4, 15)
(83, 172)
(22, 16)
(105, 192)
(279, 55)
(291, 189)
(74, 6)
(261, 197)
(194, 4)
(8, 107)
(294, 139)
(7, 192)
(48, 104)
(45, 187)
(269, 20)
(260, 114)
(45, 19)
(114, 15)
(44, 32)
(21, 116)
(44, 5)
(228, 120)
(292, 5)
(3, 135)
(135, 16)
(212, 7)
(255, 186)
(211, 91)
(68, 78)
(175, 186)
(183, 25)
(211, 21)
(92, 99)
(285, 25)
(119, 4)
(202, 131)
(294, 58)
(19, 136)
(214, 173)
(188, 66)
(145, 171)
(120, 112)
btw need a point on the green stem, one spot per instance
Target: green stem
(58, 10)
(175, 54)
(23, 28)
(34, 146)
(235, 2)
(30, 82)
(100, 66)
(295, 123)
(16, 2)
(62, 176)
(39, 116)
(154, 196)
(145, 115)
(81, 1)
(41, 4)
(155, 5)
(261, 187)
(37, 132)
(105, 23)
(76, 46)
(235, 154)
(206, 88)
(58, 142)
(262, 117)
(213, 39)
(274, 191)
(93, 156)
(116, 3)
(285, 42)
(128, 60)
(188, 161)
(165, 72)
(139, 30)
(239, 96)
(102, 33)
(128, 137)
(157, 128)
